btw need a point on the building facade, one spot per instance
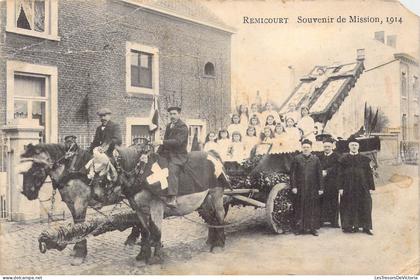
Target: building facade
(60, 61)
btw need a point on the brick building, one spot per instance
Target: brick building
(60, 61)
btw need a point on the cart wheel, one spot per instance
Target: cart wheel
(270, 207)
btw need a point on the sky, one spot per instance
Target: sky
(413, 5)
(271, 58)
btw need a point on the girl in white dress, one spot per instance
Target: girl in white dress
(280, 139)
(271, 122)
(266, 142)
(223, 143)
(254, 112)
(307, 124)
(250, 140)
(293, 135)
(211, 142)
(236, 148)
(236, 124)
(254, 121)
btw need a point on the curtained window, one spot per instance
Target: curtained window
(30, 14)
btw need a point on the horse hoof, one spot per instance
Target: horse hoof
(141, 257)
(130, 242)
(76, 261)
(154, 260)
(216, 250)
(42, 247)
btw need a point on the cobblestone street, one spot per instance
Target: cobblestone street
(250, 245)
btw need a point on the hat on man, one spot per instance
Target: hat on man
(104, 111)
(306, 141)
(353, 139)
(70, 138)
(171, 108)
(328, 140)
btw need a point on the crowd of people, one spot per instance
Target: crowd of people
(253, 131)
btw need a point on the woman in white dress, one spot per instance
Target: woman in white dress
(211, 142)
(307, 124)
(243, 115)
(223, 143)
(269, 111)
(250, 140)
(254, 111)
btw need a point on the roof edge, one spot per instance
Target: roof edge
(173, 14)
(407, 58)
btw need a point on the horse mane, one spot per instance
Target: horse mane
(56, 151)
(129, 157)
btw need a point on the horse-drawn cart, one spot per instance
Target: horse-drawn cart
(263, 182)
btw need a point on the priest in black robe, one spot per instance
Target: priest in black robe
(355, 183)
(306, 182)
(329, 201)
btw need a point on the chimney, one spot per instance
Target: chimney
(380, 36)
(360, 54)
(391, 40)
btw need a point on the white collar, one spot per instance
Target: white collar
(328, 153)
(353, 154)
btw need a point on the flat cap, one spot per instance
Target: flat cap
(171, 108)
(306, 141)
(103, 112)
(70, 137)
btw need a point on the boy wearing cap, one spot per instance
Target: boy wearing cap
(107, 135)
(355, 181)
(306, 182)
(173, 148)
(329, 201)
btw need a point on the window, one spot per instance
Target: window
(403, 84)
(196, 128)
(416, 130)
(404, 126)
(142, 69)
(33, 17)
(209, 69)
(391, 40)
(138, 128)
(32, 95)
(380, 36)
(416, 89)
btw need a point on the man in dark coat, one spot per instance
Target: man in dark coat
(107, 135)
(306, 181)
(355, 183)
(173, 148)
(329, 201)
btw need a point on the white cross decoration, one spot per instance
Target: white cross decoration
(158, 175)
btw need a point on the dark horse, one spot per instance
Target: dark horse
(42, 160)
(201, 187)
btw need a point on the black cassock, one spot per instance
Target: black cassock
(306, 176)
(329, 201)
(356, 179)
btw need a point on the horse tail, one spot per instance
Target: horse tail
(219, 169)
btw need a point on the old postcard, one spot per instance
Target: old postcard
(233, 137)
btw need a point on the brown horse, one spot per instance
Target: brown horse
(42, 160)
(201, 184)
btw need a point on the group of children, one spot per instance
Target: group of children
(252, 132)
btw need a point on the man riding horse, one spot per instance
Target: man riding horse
(173, 149)
(107, 135)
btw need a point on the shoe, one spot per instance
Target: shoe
(367, 231)
(298, 232)
(347, 230)
(314, 232)
(355, 230)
